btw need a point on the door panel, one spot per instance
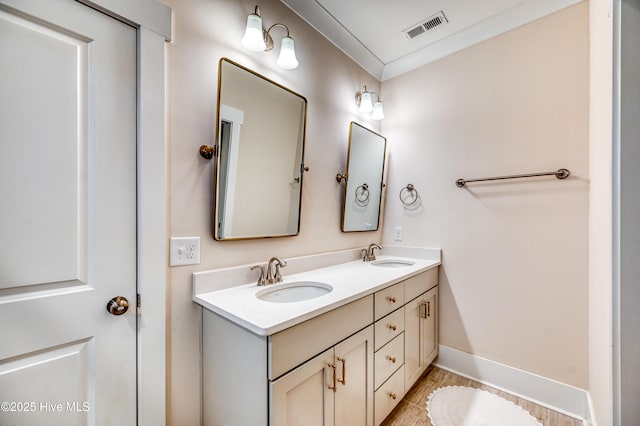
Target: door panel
(412, 342)
(39, 132)
(430, 328)
(354, 396)
(68, 213)
(66, 364)
(302, 397)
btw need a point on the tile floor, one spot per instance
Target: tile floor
(411, 411)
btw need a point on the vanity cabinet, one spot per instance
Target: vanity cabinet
(333, 388)
(284, 379)
(405, 338)
(349, 366)
(389, 346)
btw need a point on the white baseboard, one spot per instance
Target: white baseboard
(566, 399)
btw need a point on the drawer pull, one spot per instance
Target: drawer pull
(344, 371)
(424, 309)
(392, 299)
(335, 385)
(393, 327)
(393, 395)
(391, 358)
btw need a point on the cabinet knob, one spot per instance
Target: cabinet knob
(393, 395)
(393, 327)
(391, 358)
(392, 299)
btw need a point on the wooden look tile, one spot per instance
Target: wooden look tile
(412, 410)
(557, 419)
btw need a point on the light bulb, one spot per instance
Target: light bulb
(378, 113)
(287, 58)
(253, 39)
(365, 102)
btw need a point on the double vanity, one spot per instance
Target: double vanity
(329, 339)
(338, 341)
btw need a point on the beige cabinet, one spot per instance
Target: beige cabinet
(288, 378)
(421, 334)
(303, 397)
(389, 345)
(406, 338)
(333, 388)
(349, 366)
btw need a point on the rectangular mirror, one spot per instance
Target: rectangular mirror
(259, 161)
(364, 179)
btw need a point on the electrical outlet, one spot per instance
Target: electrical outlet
(397, 233)
(184, 251)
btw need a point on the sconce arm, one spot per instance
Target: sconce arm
(268, 40)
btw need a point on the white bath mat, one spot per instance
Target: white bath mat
(464, 406)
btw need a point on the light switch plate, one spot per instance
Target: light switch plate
(397, 233)
(184, 251)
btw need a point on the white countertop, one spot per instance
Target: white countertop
(350, 281)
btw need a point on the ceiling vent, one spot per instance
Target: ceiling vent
(428, 24)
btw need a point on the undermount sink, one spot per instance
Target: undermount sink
(392, 263)
(294, 292)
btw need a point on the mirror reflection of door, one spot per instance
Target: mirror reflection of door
(231, 120)
(258, 177)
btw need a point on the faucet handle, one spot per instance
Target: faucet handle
(278, 274)
(373, 248)
(261, 279)
(365, 254)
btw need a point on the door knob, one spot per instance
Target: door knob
(118, 305)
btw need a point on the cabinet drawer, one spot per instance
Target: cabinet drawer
(388, 327)
(415, 286)
(388, 300)
(388, 359)
(293, 346)
(388, 396)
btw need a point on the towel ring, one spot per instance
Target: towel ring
(362, 194)
(409, 195)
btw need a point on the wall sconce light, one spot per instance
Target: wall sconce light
(363, 99)
(257, 39)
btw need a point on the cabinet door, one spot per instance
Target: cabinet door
(420, 335)
(412, 342)
(303, 397)
(354, 396)
(429, 324)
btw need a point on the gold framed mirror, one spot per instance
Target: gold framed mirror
(259, 161)
(364, 179)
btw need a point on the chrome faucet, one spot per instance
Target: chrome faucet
(275, 276)
(368, 254)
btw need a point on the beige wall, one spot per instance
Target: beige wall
(205, 31)
(600, 221)
(514, 285)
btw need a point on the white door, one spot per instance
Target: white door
(67, 215)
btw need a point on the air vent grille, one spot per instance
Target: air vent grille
(428, 24)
